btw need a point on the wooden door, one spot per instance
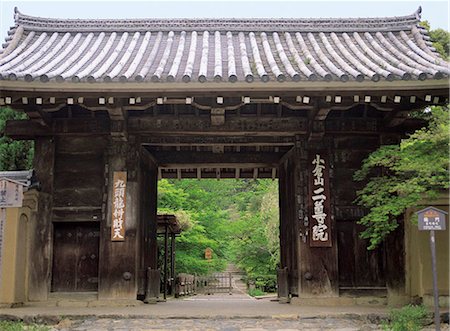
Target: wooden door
(358, 267)
(75, 257)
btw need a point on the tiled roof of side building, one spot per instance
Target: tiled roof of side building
(219, 50)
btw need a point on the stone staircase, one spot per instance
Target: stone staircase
(239, 286)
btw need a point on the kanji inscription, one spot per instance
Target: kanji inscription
(319, 202)
(119, 203)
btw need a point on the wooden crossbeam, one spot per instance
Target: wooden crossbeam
(184, 159)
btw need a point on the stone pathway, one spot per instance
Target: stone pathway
(107, 324)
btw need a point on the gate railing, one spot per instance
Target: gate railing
(187, 284)
(220, 282)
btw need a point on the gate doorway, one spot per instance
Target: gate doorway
(75, 257)
(235, 221)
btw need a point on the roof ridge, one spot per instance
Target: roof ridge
(393, 23)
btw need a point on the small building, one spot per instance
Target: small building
(114, 105)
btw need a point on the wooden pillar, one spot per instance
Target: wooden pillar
(118, 269)
(149, 226)
(166, 256)
(172, 263)
(317, 251)
(40, 225)
(288, 225)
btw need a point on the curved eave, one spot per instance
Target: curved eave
(238, 87)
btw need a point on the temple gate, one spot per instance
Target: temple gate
(301, 100)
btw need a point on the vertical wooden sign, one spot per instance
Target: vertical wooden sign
(119, 204)
(319, 200)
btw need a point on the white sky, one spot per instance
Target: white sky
(436, 12)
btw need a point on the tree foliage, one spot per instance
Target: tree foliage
(399, 176)
(440, 39)
(238, 220)
(14, 155)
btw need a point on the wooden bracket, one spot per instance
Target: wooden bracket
(119, 131)
(217, 116)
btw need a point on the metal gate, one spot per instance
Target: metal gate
(220, 282)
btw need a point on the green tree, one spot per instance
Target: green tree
(254, 236)
(238, 220)
(14, 155)
(399, 176)
(440, 39)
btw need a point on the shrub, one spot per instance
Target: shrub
(19, 326)
(255, 292)
(408, 318)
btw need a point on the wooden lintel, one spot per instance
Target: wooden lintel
(23, 129)
(284, 126)
(193, 159)
(212, 174)
(218, 140)
(243, 165)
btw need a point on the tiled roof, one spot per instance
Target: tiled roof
(219, 50)
(24, 176)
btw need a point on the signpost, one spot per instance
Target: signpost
(433, 219)
(11, 195)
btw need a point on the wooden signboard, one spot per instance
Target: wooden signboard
(208, 253)
(11, 193)
(119, 204)
(319, 200)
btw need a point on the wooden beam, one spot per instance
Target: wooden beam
(284, 126)
(23, 129)
(213, 175)
(194, 159)
(223, 140)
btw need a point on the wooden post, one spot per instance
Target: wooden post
(149, 245)
(289, 238)
(283, 289)
(166, 256)
(318, 260)
(41, 222)
(118, 259)
(172, 263)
